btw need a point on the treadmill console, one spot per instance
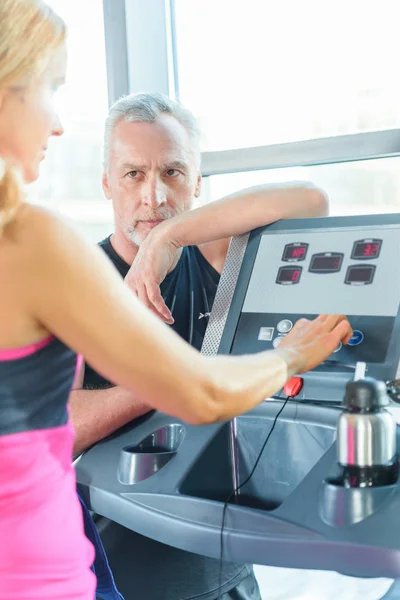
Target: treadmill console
(301, 268)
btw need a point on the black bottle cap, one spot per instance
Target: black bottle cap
(365, 394)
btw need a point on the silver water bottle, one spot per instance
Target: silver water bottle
(366, 436)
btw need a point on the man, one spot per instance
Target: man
(152, 174)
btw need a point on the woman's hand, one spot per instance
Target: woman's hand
(311, 342)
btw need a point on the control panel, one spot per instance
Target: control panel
(333, 272)
(296, 269)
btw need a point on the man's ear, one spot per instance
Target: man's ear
(197, 190)
(106, 186)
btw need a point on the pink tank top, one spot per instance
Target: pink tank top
(44, 553)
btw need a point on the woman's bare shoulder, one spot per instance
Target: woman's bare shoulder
(29, 223)
(37, 229)
(34, 219)
(39, 239)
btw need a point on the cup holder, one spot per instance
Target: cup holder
(342, 507)
(150, 455)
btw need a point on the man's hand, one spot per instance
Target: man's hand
(156, 257)
(211, 227)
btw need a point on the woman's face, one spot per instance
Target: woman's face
(28, 118)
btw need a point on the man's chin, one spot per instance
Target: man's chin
(141, 231)
(137, 237)
(137, 240)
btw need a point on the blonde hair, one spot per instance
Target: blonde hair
(30, 33)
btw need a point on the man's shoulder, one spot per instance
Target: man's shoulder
(121, 266)
(192, 263)
(196, 254)
(105, 244)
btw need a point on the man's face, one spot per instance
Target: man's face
(153, 175)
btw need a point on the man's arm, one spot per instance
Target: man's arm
(95, 414)
(215, 223)
(211, 228)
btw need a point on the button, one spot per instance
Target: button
(338, 348)
(284, 326)
(357, 338)
(277, 341)
(266, 334)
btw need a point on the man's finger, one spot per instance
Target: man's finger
(143, 296)
(154, 295)
(130, 280)
(134, 289)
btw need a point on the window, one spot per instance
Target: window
(262, 72)
(365, 187)
(70, 179)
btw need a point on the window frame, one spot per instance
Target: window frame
(135, 29)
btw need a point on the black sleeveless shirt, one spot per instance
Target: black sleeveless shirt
(188, 291)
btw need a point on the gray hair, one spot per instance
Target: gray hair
(147, 107)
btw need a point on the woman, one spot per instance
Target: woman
(48, 278)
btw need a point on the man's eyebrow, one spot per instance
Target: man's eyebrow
(175, 164)
(127, 166)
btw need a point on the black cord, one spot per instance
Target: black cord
(221, 556)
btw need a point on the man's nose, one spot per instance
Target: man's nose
(154, 194)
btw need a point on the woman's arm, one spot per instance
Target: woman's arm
(74, 292)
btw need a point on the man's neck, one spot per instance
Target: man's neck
(124, 248)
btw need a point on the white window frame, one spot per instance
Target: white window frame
(139, 47)
(141, 56)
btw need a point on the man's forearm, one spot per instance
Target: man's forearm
(95, 414)
(243, 211)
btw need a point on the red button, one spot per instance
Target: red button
(293, 387)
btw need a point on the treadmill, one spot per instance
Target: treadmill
(169, 480)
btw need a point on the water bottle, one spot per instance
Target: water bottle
(366, 436)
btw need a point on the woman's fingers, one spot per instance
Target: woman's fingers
(339, 326)
(322, 324)
(315, 340)
(344, 331)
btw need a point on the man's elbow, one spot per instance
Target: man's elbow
(79, 447)
(317, 200)
(75, 406)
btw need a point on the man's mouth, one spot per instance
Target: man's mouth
(151, 222)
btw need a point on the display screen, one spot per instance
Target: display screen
(326, 262)
(360, 274)
(295, 252)
(366, 249)
(289, 275)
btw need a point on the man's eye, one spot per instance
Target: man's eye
(172, 172)
(133, 174)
